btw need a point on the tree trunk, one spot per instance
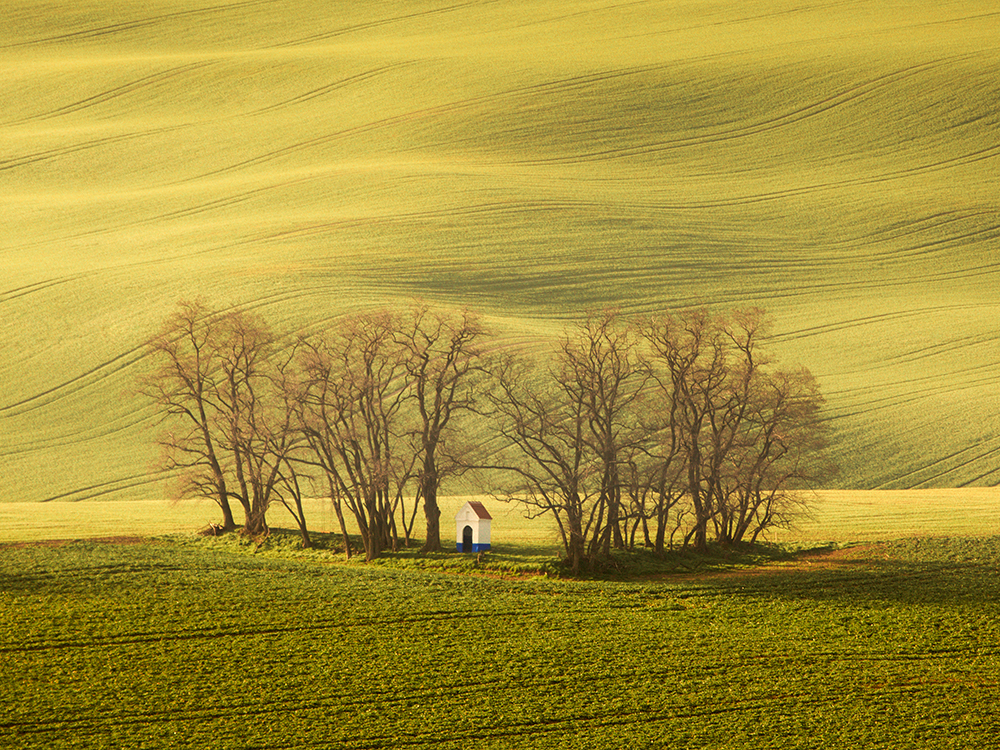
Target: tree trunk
(701, 516)
(228, 522)
(300, 517)
(661, 533)
(343, 525)
(432, 513)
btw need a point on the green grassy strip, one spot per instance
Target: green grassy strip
(200, 644)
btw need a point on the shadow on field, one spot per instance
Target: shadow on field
(939, 570)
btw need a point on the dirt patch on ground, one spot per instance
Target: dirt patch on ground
(805, 562)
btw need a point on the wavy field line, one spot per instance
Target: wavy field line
(211, 632)
(227, 201)
(993, 473)
(110, 487)
(959, 19)
(972, 157)
(941, 348)
(909, 228)
(842, 325)
(575, 82)
(940, 245)
(55, 153)
(937, 379)
(322, 91)
(112, 94)
(344, 30)
(841, 411)
(792, 117)
(88, 379)
(525, 731)
(124, 26)
(587, 12)
(334, 702)
(512, 206)
(927, 481)
(38, 286)
(930, 481)
(330, 705)
(122, 423)
(564, 84)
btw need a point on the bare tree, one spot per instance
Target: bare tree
(574, 434)
(184, 385)
(253, 430)
(658, 475)
(600, 362)
(746, 432)
(781, 450)
(680, 421)
(553, 469)
(446, 369)
(354, 385)
(691, 350)
(287, 442)
(214, 383)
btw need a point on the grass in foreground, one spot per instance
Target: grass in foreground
(165, 644)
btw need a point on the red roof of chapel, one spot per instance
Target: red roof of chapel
(480, 509)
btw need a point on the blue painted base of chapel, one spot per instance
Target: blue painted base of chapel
(475, 547)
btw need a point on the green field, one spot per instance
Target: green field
(835, 162)
(180, 644)
(882, 632)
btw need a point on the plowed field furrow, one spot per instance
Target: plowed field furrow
(130, 25)
(765, 126)
(76, 148)
(974, 458)
(375, 23)
(903, 390)
(329, 88)
(112, 94)
(942, 465)
(214, 632)
(88, 379)
(990, 478)
(69, 435)
(867, 320)
(113, 487)
(13, 294)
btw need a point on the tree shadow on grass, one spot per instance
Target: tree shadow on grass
(952, 571)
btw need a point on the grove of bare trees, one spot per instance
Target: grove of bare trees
(673, 430)
(368, 413)
(677, 425)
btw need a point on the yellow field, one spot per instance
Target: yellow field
(845, 516)
(836, 162)
(24, 522)
(839, 516)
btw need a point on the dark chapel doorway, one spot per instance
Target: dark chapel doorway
(467, 539)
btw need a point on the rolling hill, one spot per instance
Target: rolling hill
(834, 162)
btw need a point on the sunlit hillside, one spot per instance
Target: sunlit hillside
(835, 162)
